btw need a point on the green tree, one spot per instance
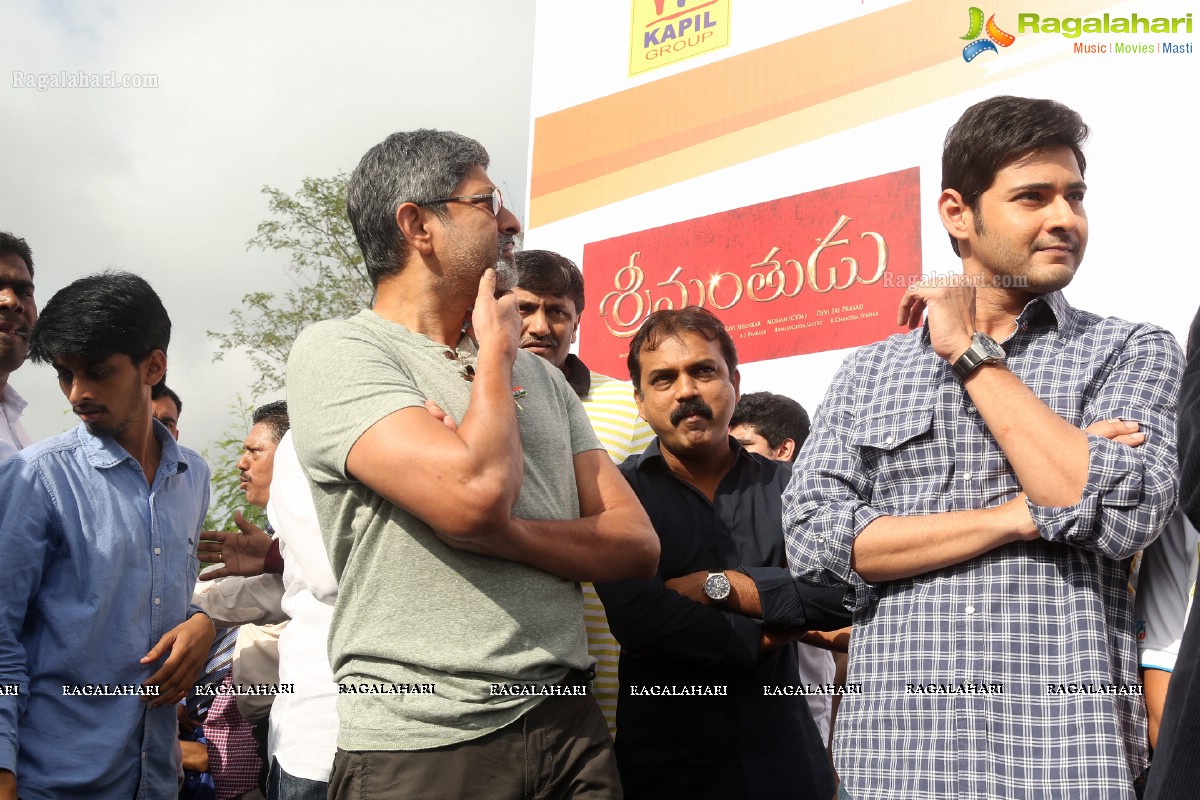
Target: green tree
(327, 272)
(328, 280)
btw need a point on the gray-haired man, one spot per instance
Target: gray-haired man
(462, 495)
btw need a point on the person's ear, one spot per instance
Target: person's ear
(956, 216)
(414, 225)
(154, 367)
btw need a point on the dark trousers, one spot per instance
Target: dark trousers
(282, 786)
(560, 749)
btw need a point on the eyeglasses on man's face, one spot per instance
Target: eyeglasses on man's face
(494, 198)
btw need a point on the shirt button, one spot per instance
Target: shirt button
(725, 532)
(889, 441)
(968, 609)
(157, 551)
(966, 476)
(971, 409)
(157, 601)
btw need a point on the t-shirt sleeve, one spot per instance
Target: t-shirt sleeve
(1165, 587)
(583, 437)
(341, 380)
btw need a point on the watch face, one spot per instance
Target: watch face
(991, 350)
(717, 586)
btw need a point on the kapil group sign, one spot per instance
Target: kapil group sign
(817, 271)
(666, 31)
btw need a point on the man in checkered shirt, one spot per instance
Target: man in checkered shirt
(982, 503)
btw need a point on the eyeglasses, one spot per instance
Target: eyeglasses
(494, 197)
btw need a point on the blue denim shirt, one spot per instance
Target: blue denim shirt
(97, 566)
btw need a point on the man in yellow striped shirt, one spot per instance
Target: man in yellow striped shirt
(550, 297)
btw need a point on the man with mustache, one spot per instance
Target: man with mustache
(550, 297)
(709, 705)
(980, 484)
(462, 496)
(98, 535)
(18, 312)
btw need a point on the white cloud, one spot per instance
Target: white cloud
(166, 181)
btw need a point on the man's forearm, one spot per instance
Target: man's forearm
(894, 548)
(743, 595)
(614, 545)
(1048, 454)
(835, 641)
(489, 427)
(775, 638)
(1155, 682)
(463, 478)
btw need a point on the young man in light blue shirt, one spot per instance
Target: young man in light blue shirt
(98, 533)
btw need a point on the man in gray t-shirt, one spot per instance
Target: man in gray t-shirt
(462, 496)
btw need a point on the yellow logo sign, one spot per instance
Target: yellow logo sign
(666, 31)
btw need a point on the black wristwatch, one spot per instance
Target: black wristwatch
(983, 350)
(717, 587)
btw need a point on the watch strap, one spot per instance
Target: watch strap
(983, 350)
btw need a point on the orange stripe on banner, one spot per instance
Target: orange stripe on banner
(753, 104)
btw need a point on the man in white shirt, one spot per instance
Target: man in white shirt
(304, 721)
(304, 724)
(18, 312)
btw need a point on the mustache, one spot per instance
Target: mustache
(1058, 241)
(21, 332)
(88, 409)
(692, 407)
(539, 341)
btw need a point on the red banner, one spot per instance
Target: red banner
(812, 272)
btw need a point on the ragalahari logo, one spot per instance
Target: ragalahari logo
(995, 36)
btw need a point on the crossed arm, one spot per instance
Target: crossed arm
(815, 614)
(673, 618)
(463, 477)
(1079, 487)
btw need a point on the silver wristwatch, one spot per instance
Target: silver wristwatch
(983, 350)
(717, 586)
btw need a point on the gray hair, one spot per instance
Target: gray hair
(407, 167)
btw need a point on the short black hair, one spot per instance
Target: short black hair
(991, 134)
(100, 315)
(550, 275)
(162, 390)
(275, 416)
(14, 245)
(673, 323)
(775, 418)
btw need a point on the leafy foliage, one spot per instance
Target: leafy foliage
(327, 272)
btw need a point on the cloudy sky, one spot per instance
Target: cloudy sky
(166, 182)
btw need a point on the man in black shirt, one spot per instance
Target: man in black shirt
(709, 705)
(1174, 770)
